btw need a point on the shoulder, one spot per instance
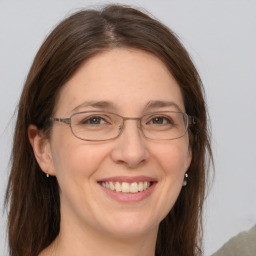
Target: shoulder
(242, 244)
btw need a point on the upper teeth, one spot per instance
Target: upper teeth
(126, 187)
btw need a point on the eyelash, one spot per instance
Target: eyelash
(167, 119)
(89, 119)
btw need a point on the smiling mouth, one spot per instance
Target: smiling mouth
(126, 187)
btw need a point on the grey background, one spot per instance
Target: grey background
(220, 36)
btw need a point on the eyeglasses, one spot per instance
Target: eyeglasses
(103, 126)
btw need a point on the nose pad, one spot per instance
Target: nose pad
(138, 124)
(120, 129)
(121, 126)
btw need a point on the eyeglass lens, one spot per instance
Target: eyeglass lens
(98, 126)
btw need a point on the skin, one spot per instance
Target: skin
(129, 79)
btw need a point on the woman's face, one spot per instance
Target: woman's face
(130, 83)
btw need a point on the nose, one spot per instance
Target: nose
(130, 149)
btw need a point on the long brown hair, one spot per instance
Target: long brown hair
(34, 214)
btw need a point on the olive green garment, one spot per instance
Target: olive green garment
(244, 244)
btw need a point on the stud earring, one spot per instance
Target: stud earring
(185, 181)
(47, 174)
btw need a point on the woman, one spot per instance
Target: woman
(110, 146)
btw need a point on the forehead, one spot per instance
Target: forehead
(128, 79)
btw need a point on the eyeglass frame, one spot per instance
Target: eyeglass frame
(190, 121)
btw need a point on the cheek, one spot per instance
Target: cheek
(173, 157)
(74, 159)
(170, 161)
(77, 161)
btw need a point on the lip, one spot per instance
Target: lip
(129, 197)
(129, 179)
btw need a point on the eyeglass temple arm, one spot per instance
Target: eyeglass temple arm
(63, 120)
(192, 120)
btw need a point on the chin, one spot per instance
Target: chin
(131, 225)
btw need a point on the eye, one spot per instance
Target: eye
(160, 120)
(94, 120)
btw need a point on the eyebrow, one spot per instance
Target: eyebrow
(95, 104)
(108, 105)
(161, 104)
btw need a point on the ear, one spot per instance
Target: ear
(42, 150)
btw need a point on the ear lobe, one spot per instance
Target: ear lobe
(42, 150)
